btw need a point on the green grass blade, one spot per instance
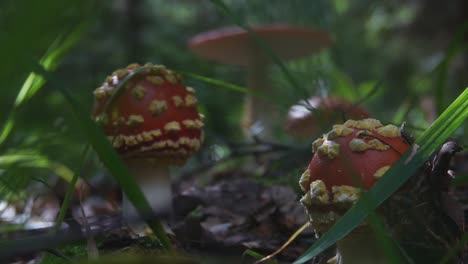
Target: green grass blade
(120, 87)
(217, 82)
(233, 87)
(111, 160)
(34, 82)
(36, 161)
(395, 177)
(70, 189)
(263, 45)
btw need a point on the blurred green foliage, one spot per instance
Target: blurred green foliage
(374, 41)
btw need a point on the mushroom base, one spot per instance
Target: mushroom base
(361, 246)
(155, 183)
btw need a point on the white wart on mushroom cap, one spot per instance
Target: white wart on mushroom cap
(154, 116)
(348, 159)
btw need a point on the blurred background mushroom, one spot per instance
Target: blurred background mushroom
(236, 46)
(306, 119)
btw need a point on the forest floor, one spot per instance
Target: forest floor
(227, 214)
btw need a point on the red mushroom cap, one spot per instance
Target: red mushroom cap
(349, 158)
(234, 45)
(303, 123)
(154, 115)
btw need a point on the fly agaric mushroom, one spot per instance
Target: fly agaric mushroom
(349, 159)
(235, 46)
(153, 123)
(303, 123)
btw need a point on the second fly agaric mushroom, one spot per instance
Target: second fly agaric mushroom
(235, 46)
(153, 123)
(349, 159)
(303, 123)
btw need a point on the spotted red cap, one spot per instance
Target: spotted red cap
(154, 115)
(302, 122)
(348, 159)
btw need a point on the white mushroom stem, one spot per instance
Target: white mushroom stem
(257, 109)
(155, 183)
(360, 247)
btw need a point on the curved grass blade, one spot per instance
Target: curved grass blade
(217, 82)
(396, 176)
(233, 87)
(36, 161)
(111, 160)
(70, 189)
(34, 82)
(120, 87)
